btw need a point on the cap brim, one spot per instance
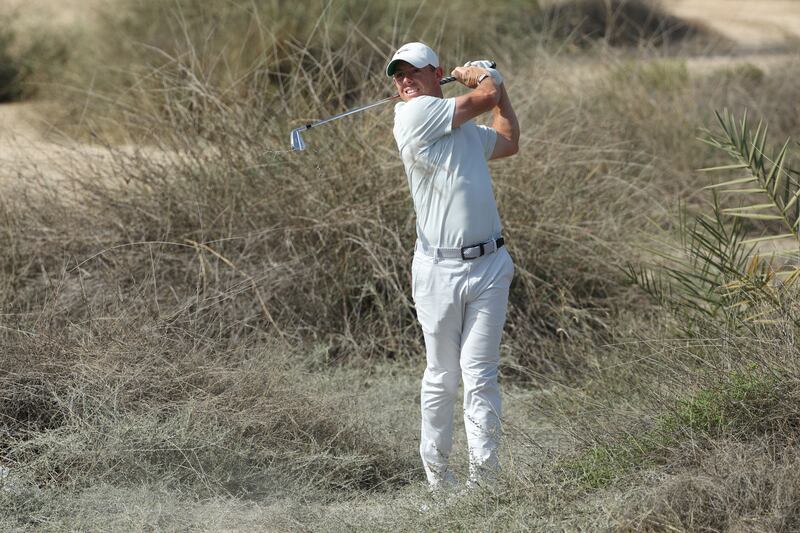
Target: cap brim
(390, 67)
(393, 63)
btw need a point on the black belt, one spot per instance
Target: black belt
(465, 253)
(478, 250)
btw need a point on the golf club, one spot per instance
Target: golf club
(297, 134)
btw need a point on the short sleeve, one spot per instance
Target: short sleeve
(488, 139)
(423, 120)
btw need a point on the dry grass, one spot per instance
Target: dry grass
(731, 487)
(218, 323)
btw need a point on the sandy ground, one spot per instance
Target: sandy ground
(33, 154)
(27, 140)
(754, 24)
(52, 14)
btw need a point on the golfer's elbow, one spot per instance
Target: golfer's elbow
(513, 149)
(508, 133)
(505, 146)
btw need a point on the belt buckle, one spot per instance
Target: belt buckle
(465, 248)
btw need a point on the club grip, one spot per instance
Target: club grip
(448, 79)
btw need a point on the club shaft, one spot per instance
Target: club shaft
(350, 112)
(365, 107)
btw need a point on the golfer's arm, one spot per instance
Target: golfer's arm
(483, 98)
(505, 123)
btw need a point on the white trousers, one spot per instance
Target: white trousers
(461, 306)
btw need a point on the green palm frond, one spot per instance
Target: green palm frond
(768, 176)
(719, 270)
(697, 278)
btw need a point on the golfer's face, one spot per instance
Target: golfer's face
(411, 81)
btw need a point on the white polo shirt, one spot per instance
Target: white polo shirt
(447, 173)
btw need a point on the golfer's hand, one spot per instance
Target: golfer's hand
(485, 63)
(469, 75)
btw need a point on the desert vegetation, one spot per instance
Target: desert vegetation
(203, 330)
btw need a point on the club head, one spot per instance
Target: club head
(297, 140)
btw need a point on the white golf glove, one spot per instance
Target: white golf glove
(485, 63)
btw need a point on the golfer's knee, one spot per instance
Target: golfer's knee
(480, 371)
(481, 383)
(443, 380)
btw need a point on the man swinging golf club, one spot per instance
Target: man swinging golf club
(461, 272)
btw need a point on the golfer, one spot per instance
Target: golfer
(461, 271)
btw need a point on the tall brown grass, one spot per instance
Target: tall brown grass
(210, 316)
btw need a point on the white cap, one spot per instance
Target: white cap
(418, 54)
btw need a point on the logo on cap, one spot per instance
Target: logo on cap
(417, 54)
